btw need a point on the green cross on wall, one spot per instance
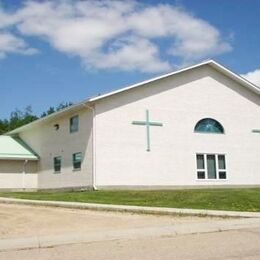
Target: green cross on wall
(147, 123)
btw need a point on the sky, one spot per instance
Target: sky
(66, 51)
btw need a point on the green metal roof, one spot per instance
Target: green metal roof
(14, 149)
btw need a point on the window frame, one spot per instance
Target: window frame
(55, 164)
(74, 162)
(205, 170)
(71, 129)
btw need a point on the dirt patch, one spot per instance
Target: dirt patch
(22, 220)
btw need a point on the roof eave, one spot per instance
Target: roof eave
(12, 158)
(235, 77)
(46, 118)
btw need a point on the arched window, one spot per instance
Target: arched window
(209, 125)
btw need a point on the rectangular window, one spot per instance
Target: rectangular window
(211, 166)
(200, 161)
(221, 162)
(74, 124)
(57, 164)
(200, 166)
(222, 167)
(76, 161)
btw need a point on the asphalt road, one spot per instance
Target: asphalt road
(238, 244)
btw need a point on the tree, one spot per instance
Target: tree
(52, 110)
(19, 118)
(3, 126)
(63, 105)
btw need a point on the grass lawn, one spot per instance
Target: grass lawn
(246, 199)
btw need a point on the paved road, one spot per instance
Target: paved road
(19, 221)
(241, 244)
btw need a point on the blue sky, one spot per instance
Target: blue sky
(69, 50)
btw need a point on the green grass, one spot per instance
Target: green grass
(246, 199)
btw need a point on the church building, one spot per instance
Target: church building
(195, 127)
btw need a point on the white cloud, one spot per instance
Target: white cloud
(192, 38)
(12, 44)
(121, 35)
(253, 76)
(129, 54)
(9, 42)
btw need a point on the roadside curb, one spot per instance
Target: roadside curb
(133, 209)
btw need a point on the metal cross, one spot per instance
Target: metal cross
(147, 123)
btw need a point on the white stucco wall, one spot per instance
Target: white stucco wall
(18, 166)
(18, 181)
(12, 176)
(49, 143)
(178, 102)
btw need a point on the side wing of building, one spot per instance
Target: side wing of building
(64, 145)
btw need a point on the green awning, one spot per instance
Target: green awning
(14, 149)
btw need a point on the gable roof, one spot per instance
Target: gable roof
(15, 149)
(217, 66)
(211, 63)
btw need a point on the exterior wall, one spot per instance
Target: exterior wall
(48, 143)
(178, 102)
(18, 166)
(12, 177)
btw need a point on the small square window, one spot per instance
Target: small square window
(57, 164)
(74, 124)
(201, 175)
(76, 161)
(222, 175)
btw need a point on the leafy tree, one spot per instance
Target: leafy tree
(52, 110)
(48, 112)
(3, 126)
(63, 105)
(19, 118)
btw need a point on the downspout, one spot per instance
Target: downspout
(24, 172)
(93, 145)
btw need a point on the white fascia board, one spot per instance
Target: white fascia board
(235, 76)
